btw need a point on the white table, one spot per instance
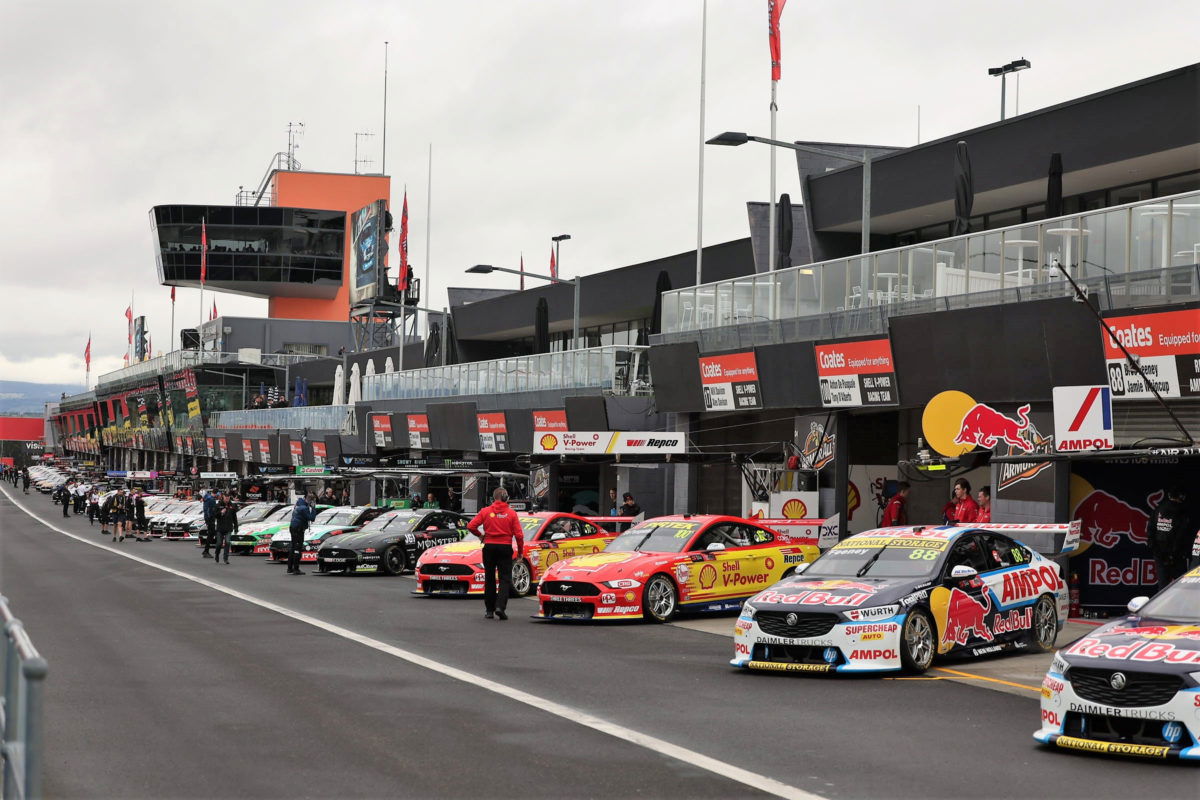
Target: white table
(1023, 275)
(888, 294)
(1068, 236)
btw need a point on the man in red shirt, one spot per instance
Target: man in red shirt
(895, 512)
(984, 499)
(501, 534)
(961, 510)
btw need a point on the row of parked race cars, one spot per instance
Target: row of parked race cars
(886, 600)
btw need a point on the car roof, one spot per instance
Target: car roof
(946, 532)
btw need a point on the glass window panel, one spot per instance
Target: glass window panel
(808, 290)
(725, 303)
(858, 281)
(788, 301)
(1149, 230)
(1003, 219)
(919, 271)
(888, 278)
(1060, 244)
(1130, 194)
(1178, 184)
(1020, 263)
(1104, 244)
(764, 297)
(670, 312)
(743, 299)
(1185, 230)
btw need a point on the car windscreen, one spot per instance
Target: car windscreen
(282, 515)
(655, 537)
(337, 516)
(530, 524)
(1179, 602)
(881, 558)
(254, 513)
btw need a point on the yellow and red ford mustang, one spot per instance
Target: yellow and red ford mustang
(671, 564)
(457, 568)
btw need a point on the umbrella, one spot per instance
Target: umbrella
(298, 394)
(663, 284)
(785, 231)
(433, 341)
(339, 386)
(355, 385)
(389, 365)
(1054, 200)
(541, 327)
(370, 366)
(452, 342)
(964, 190)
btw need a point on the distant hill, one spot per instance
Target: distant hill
(20, 397)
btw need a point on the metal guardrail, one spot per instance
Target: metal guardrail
(331, 418)
(21, 713)
(179, 359)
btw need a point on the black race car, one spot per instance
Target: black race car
(392, 542)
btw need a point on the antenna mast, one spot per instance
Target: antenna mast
(358, 160)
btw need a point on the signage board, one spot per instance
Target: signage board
(219, 476)
(264, 451)
(381, 428)
(856, 373)
(312, 469)
(1166, 345)
(418, 431)
(319, 453)
(1083, 418)
(247, 449)
(549, 421)
(493, 432)
(141, 475)
(614, 442)
(296, 449)
(730, 382)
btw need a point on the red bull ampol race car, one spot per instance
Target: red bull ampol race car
(896, 598)
(1132, 686)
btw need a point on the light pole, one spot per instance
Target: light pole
(1012, 66)
(558, 240)
(735, 138)
(484, 269)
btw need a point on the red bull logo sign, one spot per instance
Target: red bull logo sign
(955, 423)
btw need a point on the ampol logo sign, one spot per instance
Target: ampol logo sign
(1083, 419)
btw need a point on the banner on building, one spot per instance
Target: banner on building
(381, 428)
(247, 449)
(493, 432)
(856, 373)
(296, 448)
(549, 421)
(418, 431)
(319, 453)
(1166, 345)
(264, 451)
(730, 382)
(606, 442)
(1083, 418)
(222, 447)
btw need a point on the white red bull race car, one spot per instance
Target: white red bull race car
(1132, 686)
(896, 598)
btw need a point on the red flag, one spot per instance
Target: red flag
(126, 359)
(553, 264)
(522, 272)
(87, 354)
(172, 294)
(129, 322)
(214, 313)
(774, 12)
(203, 252)
(402, 283)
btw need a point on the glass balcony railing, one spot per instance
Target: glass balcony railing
(1151, 235)
(620, 370)
(325, 418)
(181, 359)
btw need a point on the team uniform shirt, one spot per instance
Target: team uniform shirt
(894, 513)
(500, 525)
(965, 511)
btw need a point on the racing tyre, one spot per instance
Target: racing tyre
(659, 599)
(322, 568)
(393, 560)
(1044, 632)
(918, 641)
(522, 580)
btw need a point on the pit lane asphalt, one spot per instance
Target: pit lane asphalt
(163, 687)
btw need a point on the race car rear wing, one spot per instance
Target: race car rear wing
(1049, 540)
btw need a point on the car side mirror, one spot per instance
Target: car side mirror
(713, 546)
(1135, 605)
(801, 567)
(963, 571)
(558, 536)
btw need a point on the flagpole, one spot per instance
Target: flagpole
(700, 176)
(203, 258)
(428, 226)
(132, 317)
(771, 221)
(171, 335)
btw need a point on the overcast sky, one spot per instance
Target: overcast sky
(546, 117)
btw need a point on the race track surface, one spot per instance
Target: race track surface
(240, 681)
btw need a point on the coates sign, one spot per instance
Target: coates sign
(381, 428)
(602, 442)
(418, 431)
(857, 373)
(1167, 347)
(549, 421)
(493, 432)
(1083, 419)
(730, 382)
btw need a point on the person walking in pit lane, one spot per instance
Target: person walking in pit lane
(226, 525)
(501, 535)
(25, 480)
(63, 495)
(302, 515)
(139, 517)
(120, 515)
(105, 514)
(209, 505)
(93, 506)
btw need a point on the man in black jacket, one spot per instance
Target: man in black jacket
(302, 515)
(226, 524)
(1170, 534)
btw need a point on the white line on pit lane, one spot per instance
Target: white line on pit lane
(661, 746)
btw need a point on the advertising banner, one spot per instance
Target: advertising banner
(296, 448)
(493, 432)
(370, 250)
(264, 451)
(1083, 418)
(730, 382)
(188, 446)
(208, 442)
(247, 449)
(312, 469)
(857, 373)
(602, 442)
(381, 428)
(319, 453)
(549, 421)
(219, 476)
(222, 447)
(1167, 347)
(418, 431)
